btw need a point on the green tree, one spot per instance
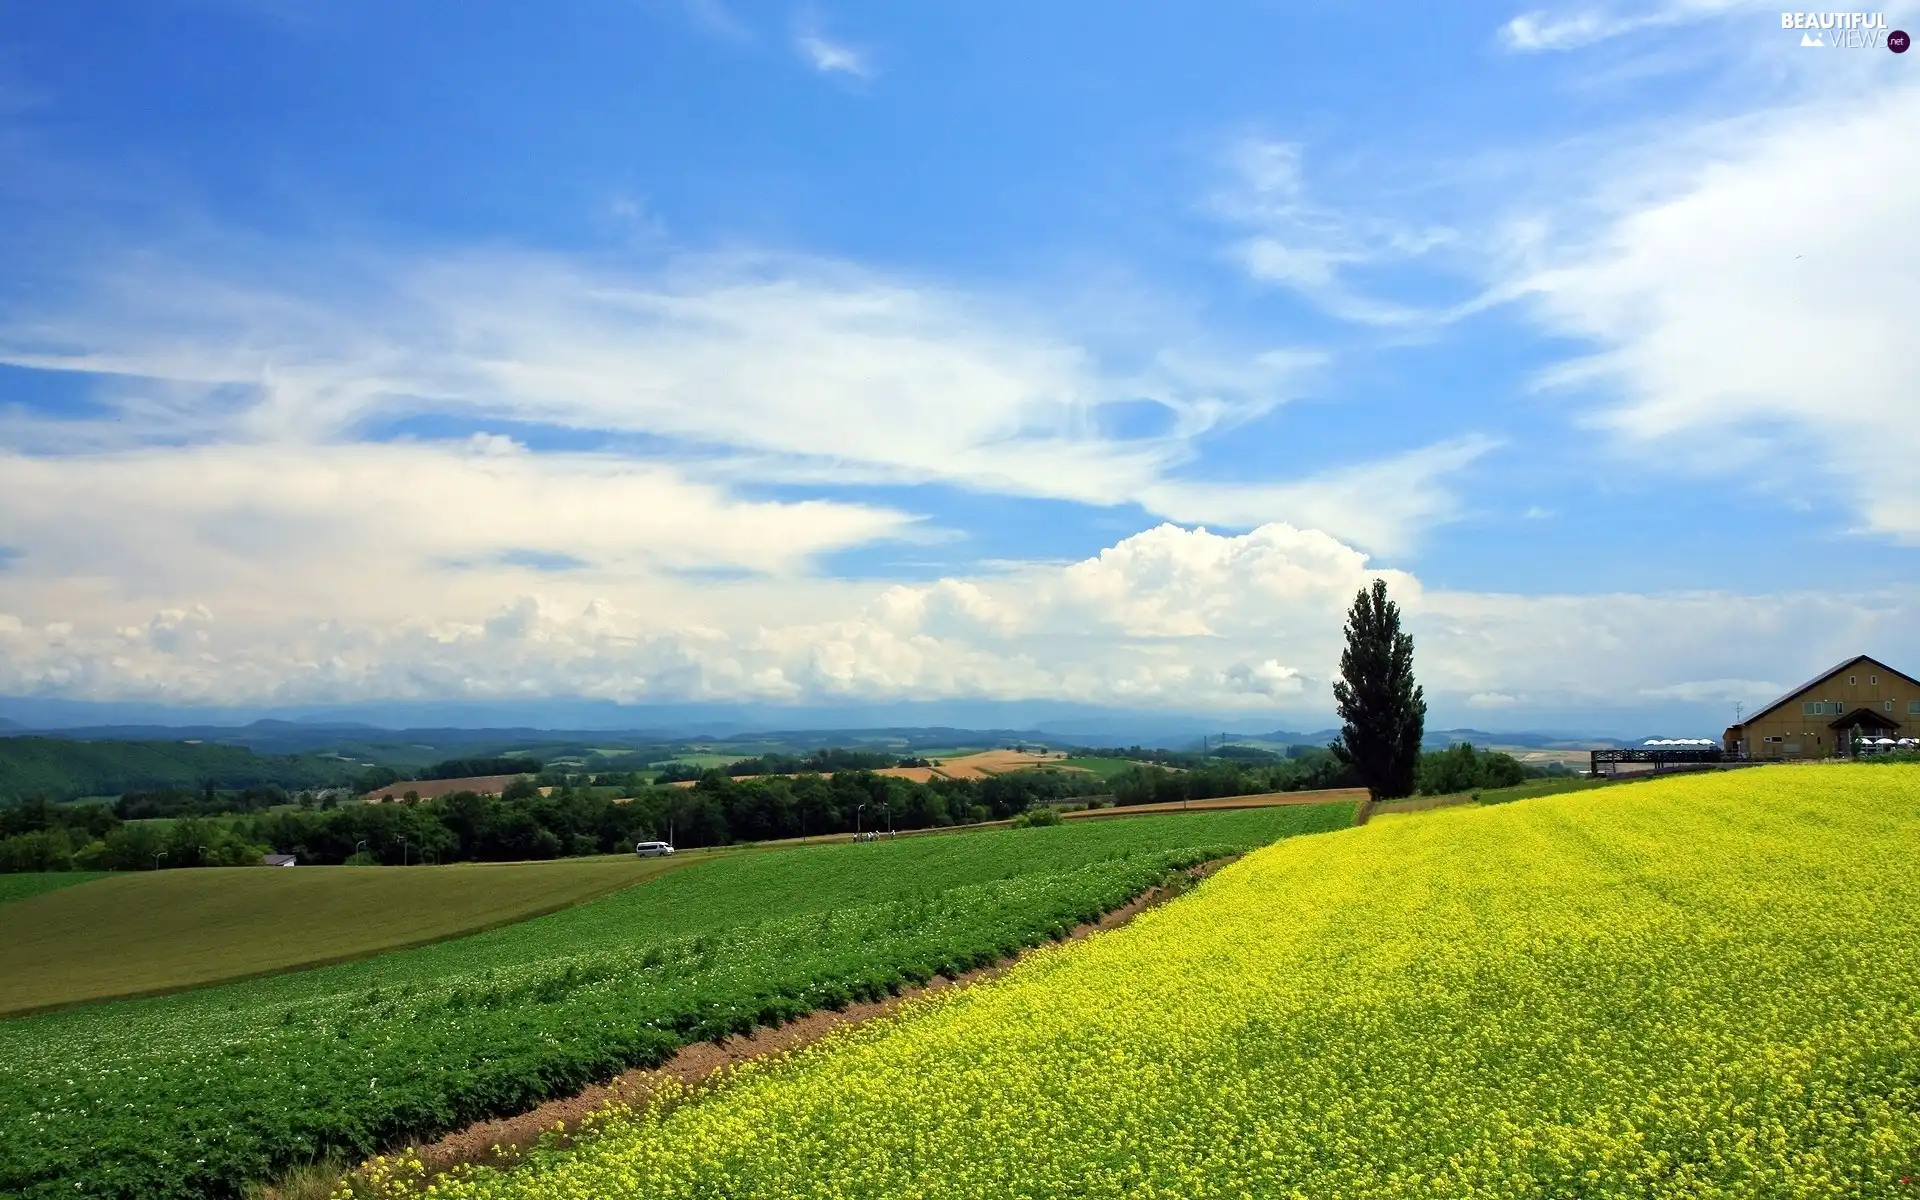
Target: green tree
(1382, 710)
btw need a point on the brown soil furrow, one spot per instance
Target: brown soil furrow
(504, 1140)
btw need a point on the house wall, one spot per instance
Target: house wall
(1789, 732)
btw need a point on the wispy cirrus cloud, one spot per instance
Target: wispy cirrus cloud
(1546, 30)
(829, 55)
(717, 18)
(743, 370)
(1292, 241)
(1740, 339)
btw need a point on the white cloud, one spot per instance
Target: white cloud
(1756, 319)
(1724, 690)
(1569, 29)
(1381, 505)
(1170, 617)
(1295, 242)
(312, 529)
(752, 369)
(827, 55)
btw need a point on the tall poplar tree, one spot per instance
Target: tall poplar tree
(1382, 710)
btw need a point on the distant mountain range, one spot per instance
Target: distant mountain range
(365, 741)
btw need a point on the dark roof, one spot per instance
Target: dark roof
(1864, 717)
(1833, 670)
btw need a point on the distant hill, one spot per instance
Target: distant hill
(64, 768)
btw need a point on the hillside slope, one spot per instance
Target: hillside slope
(1705, 986)
(61, 769)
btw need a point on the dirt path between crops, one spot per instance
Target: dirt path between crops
(499, 1142)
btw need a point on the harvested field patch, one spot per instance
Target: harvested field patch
(999, 762)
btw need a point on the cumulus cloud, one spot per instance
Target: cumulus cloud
(1170, 617)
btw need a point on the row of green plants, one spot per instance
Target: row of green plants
(200, 1093)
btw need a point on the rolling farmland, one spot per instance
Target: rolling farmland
(1700, 986)
(202, 1092)
(154, 931)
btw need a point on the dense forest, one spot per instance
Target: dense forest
(63, 769)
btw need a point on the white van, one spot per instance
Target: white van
(652, 849)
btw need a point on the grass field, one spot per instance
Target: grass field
(1104, 768)
(1703, 986)
(705, 760)
(151, 931)
(38, 883)
(118, 1099)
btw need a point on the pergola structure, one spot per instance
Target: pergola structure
(1861, 723)
(1658, 756)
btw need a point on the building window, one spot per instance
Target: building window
(1889, 706)
(1852, 679)
(1820, 708)
(1913, 708)
(1873, 681)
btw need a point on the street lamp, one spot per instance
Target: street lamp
(403, 849)
(157, 858)
(857, 810)
(357, 847)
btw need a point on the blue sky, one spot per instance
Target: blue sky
(689, 350)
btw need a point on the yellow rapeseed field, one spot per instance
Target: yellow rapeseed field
(1704, 986)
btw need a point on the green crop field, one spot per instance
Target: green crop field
(37, 883)
(151, 931)
(1703, 986)
(1104, 768)
(198, 1093)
